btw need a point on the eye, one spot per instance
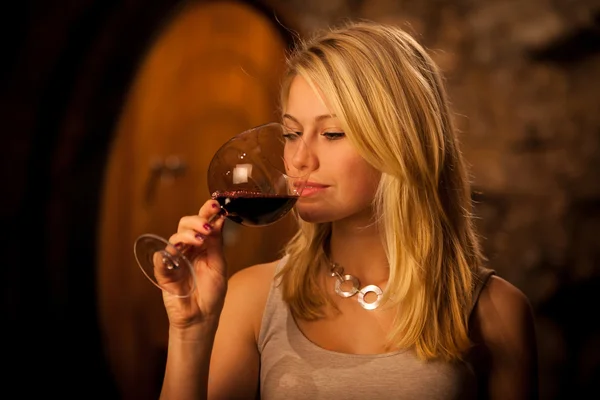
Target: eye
(290, 135)
(333, 135)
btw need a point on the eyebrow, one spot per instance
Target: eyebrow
(318, 119)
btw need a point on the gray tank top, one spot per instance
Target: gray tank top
(293, 367)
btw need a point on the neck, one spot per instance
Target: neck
(358, 248)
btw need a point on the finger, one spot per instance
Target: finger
(195, 223)
(193, 244)
(210, 210)
(218, 221)
(186, 243)
(214, 252)
(171, 276)
(187, 238)
(178, 243)
(194, 238)
(192, 222)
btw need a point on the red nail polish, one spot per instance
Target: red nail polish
(215, 205)
(200, 236)
(207, 227)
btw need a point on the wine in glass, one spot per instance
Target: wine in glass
(256, 176)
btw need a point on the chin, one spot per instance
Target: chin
(313, 216)
(316, 215)
(321, 215)
(310, 217)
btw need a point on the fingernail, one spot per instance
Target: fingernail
(179, 245)
(207, 227)
(215, 205)
(200, 236)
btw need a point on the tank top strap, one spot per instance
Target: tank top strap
(482, 277)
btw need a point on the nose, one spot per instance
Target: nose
(302, 158)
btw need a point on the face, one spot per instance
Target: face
(342, 184)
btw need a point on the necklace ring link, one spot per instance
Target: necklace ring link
(368, 289)
(347, 293)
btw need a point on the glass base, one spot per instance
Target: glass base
(164, 265)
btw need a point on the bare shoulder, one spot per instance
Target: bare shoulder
(503, 315)
(258, 274)
(256, 279)
(505, 354)
(247, 293)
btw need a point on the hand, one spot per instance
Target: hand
(201, 243)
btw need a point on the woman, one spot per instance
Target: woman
(388, 208)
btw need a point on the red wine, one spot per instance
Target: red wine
(253, 208)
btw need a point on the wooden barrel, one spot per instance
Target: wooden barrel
(212, 72)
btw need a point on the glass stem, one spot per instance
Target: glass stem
(222, 213)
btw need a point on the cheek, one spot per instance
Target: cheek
(362, 181)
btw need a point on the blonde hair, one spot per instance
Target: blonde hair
(390, 99)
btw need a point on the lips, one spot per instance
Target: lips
(314, 185)
(310, 188)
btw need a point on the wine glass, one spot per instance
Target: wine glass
(254, 179)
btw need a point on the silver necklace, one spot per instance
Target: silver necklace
(338, 272)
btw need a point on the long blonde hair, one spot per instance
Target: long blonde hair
(390, 99)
